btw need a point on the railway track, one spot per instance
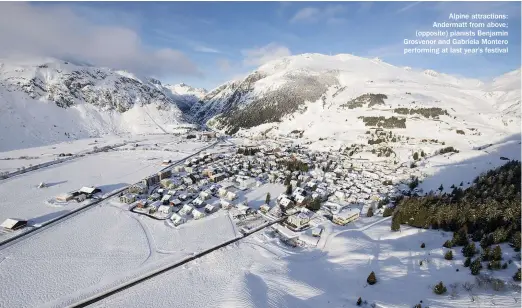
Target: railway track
(139, 280)
(35, 230)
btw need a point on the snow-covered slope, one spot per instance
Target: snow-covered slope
(505, 92)
(184, 95)
(324, 97)
(44, 101)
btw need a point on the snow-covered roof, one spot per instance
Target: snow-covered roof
(11, 223)
(87, 190)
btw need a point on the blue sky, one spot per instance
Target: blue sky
(207, 43)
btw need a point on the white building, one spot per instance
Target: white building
(299, 220)
(346, 216)
(225, 204)
(197, 214)
(177, 220)
(231, 196)
(186, 210)
(165, 209)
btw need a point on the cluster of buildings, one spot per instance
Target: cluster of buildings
(208, 182)
(84, 193)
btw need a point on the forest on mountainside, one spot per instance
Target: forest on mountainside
(488, 211)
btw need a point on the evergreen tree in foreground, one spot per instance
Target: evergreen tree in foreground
(496, 255)
(395, 225)
(448, 255)
(371, 279)
(439, 288)
(476, 266)
(469, 250)
(267, 200)
(467, 263)
(359, 301)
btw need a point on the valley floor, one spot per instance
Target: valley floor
(21, 198)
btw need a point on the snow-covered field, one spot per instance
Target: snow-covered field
(21, 198)
(96, 250)
(261, 272)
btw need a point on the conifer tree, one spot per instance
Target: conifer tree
(371, 279)
(439, 288)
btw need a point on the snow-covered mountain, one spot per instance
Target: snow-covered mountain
(48, 100)
(184, 95)
(343, 96)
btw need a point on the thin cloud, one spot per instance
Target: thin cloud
(206, 49)
(306, 14)
(261, 55)
(407, 7)
(330, 14)
(57, 31)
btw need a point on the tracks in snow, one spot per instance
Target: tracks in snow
(160, 271)
(35, 230)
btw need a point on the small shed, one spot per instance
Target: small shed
(13, 223)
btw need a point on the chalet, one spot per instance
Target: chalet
(142, 203)
(155, 197)
(151, 180)
(197, 214)
(177, 220)
(153, 208)
(225, 204)
(166, 183)
(198, 202)
(13, 224)
(222, 192)
(299, 220)
(231, 196)
(205, 195)
(301, 200)
(218, 177)
(178, 169)
(89, 191)
(65, 197)
(209, 172)
(298, 191)
(209, 208)
(346, 216)
(286, 203)
(264, 208)
(244, 209)
(186, 210)
(175, 202)
(138, 188)
(188, 180)
(166, 199)
(128, 198)
(166, 162)
(340, 195)
(164, 174)
(165, 209)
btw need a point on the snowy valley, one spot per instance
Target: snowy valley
(316, 181)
